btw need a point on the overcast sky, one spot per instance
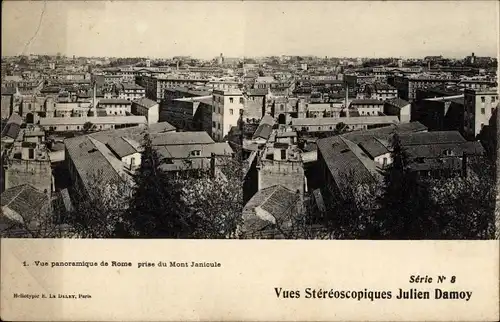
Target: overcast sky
(205, 29)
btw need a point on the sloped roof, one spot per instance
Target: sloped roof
(25, 200)
(120, 147)
(435, 137)
(265, 127)
(179, 138)
(13, 126)
(145, 102)
(344, 165)
(89, 162)
(114, 101)
(398, 102)
(277, 201)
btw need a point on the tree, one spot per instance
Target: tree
(99, 208)
(156, 207)
(87, 126)
(214, 200)
(405, 209)
(340, 128)
(467, 203)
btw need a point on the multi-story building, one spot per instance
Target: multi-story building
(27, 162)
(381, 91)
(444, 113)
(478, 84)
(112, 106)
(357, 158)
(190, 113)
(255, 103)
(148, 108)
(478, 109)
(71, 124)
(227, 106)
(155, 85)
(408, 86)
(367, 106)
(328, 124)
(130, 91)
(111, 156)
(399, 108)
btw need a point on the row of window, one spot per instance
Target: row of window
(218, 110)
(231, 99)
(493, 99)
(216, 125)
(483, 110)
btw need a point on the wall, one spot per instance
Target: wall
(231, 112)
(128, 159)
(287, 174)
(254, 106)
(36, 173)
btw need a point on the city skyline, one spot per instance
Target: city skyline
(251, 29)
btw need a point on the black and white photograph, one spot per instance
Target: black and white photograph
(341, 120)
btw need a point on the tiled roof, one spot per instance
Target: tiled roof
(265, 128)
(438, 150)
(130, 119)
(398, 102)
(25, 200)
(346, 120)
(374, 147)
(179, 138)
(146, 102)
(8, 90)
(344, 165)
(257, 92)
(277, 201)
(435, 137)
(184, 151)
(114, 101)
(366, 101)
(89, 162)
(120, 147)
(13, 126)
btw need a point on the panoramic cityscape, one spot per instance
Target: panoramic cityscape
(359, 140)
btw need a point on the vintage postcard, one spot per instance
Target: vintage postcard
(249, 160)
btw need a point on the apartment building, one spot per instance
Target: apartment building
(478, 109)
(227, 106)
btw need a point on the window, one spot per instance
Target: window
(283, 154)
(231, 100)
(31, 153)
(483, 110)
(230, 111)
(384, 162)
(483, 99)
(493, 99)
(214, 125)
(281, 107)
(241, 100)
